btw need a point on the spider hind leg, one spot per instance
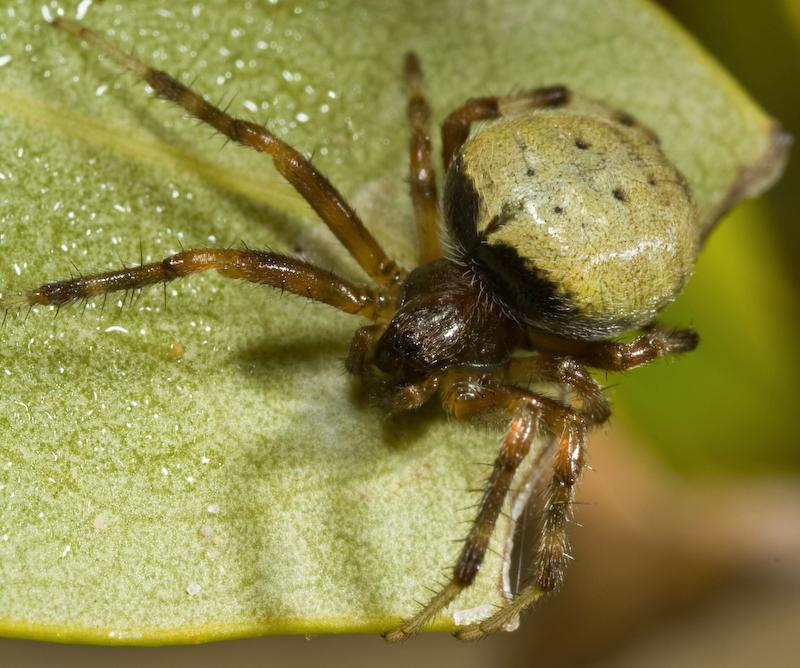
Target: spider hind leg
(529, 411)
(552, 551)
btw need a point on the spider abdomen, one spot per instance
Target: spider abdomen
(575, 217)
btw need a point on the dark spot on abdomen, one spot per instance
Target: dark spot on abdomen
(625, 119)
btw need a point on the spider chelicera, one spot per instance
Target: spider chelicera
(564, 225)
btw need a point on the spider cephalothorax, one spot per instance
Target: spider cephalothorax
(566, 224)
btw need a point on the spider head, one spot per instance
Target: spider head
(421, 337)
(444, 320)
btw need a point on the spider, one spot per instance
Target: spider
(563, 225)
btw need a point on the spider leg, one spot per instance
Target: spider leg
(552, 550)
(655, 341)
(279, 271)
(455, 128)
(463, 398)
(421, 172)
(564, 370)
(414, 395)
(329, 204)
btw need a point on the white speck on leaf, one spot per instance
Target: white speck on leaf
(83, 8)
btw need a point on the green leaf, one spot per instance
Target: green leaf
(204, 469)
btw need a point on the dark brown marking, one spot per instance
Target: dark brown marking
(619, 194)
(626, 119)
(582, 144)
(524, 289)
(496, 223)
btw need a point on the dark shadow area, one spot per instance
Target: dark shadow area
(263, 355)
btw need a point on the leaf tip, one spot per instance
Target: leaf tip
(758, 176)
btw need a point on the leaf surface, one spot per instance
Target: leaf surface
(202, 468)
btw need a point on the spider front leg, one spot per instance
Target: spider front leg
(461, 399)
(421, 173)
(329, 204)
(455, 128)
(278, 271)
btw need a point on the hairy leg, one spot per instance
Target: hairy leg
(421, 172)
(293, 166)
(463, 398)
(654, 342)
(455, 128)
(278, 271)
(552, 552)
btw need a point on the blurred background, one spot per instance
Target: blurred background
(690, 545)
